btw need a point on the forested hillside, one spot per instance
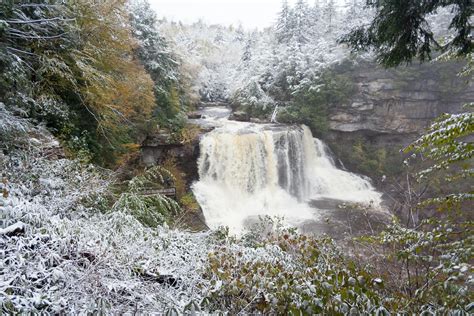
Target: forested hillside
(99, 75)
(295, 64)
(299, 71)
(88, 225)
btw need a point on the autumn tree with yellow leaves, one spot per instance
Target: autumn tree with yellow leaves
(73, 65)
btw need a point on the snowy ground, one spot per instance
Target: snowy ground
(74, 257)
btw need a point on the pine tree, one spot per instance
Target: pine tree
(219, 38)
(152, 49)
(154, 53)
(247, 55)
(240, 33)
(302, 22)
(315, 16)
(330, 15)
(356, 15)
(284, 25)
(400, 32)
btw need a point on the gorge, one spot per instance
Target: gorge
(153, 166)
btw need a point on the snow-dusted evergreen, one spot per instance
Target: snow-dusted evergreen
(257, 69)
(209, 56)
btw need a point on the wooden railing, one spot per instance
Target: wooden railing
(169, 192)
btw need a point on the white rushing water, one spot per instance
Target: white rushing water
(248, 170)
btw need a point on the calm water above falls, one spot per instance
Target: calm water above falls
(247, 170)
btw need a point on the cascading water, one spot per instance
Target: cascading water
(247, 170)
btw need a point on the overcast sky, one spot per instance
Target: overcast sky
(251, 13)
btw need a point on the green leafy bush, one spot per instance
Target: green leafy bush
(150, 209)
(279, 271)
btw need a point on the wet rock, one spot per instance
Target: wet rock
(162, 138)
(194, 116)
(257, 120)
(156, 152)
(195, 221)
(240, 116)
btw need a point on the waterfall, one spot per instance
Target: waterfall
(247, 170)
(274, 114)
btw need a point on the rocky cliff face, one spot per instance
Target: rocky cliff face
(400, 101)
(158, 148)
(388, 110)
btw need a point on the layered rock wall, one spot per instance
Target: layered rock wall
(400, 101)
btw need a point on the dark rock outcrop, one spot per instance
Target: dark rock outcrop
(158, 148)
(194, 115)
(388, 110)
(240, 116)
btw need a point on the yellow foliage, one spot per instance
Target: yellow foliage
(116, 88)
(180, 183)
(132, 154)
(188, 134)
(133, 95)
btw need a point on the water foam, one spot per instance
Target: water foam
(248, 170)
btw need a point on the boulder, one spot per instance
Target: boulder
(194, 116)
(161, 138)
(240, 116)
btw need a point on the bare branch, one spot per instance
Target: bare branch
(38, 21)
(24, 36)
(21, 51)
(40, 5)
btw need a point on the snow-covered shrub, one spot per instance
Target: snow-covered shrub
(69, 257)
(150, 209)
(10, 126)
(278, 271)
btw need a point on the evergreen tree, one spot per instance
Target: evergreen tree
(330, 15)
(219, 38)
(247, 55)
(154, 53)
(284, 25)
(400, 31)
(240, 33)
(356, 15)
(302, 22)
(315, 16)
